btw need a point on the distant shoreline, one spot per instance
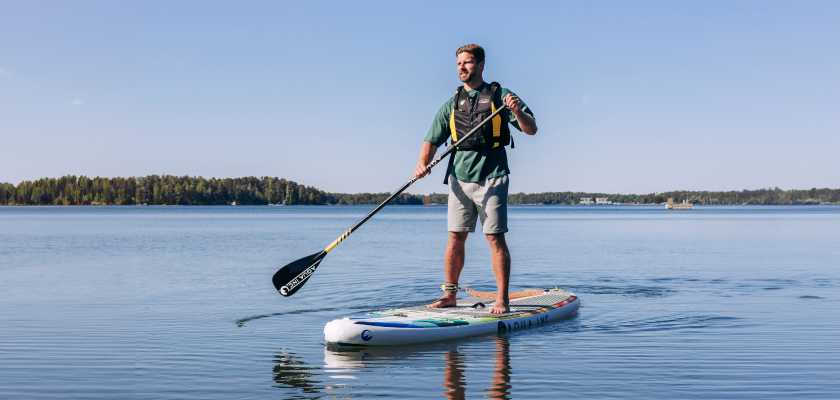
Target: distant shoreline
(186, 190)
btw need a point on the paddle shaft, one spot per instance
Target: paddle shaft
(412, 180)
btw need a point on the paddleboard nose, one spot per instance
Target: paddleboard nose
(334, 331)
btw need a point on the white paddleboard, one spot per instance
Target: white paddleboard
(420, 324)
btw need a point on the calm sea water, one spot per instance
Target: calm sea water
(177, 303)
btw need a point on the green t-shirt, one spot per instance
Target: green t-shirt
(473, 166)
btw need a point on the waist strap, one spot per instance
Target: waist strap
(449, 168)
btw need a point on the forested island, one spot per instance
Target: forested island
(190, 190)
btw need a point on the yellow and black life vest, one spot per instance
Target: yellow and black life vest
(467, 113)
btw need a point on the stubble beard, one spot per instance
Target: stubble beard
(468, 77)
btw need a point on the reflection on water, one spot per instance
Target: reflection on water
(501, 370)
(291, 372)
(453, 379)
(351, 362)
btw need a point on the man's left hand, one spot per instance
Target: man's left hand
(512, 103)
(526, 122)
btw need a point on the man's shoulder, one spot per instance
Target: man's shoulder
(450, 101)
(447, 106)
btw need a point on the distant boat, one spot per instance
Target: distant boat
(233, 204)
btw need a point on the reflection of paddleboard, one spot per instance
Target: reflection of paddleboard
(421, 324)
(361, 357)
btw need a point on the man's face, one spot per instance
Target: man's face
(467, 67)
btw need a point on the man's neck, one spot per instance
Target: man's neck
(474, 83)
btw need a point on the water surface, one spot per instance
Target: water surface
(177, 302)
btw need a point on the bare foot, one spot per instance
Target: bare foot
(445, 301)
(499, 308)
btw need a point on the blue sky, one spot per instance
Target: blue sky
(630, 97)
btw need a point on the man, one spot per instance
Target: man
(479, 171)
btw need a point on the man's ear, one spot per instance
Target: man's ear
(481, 66)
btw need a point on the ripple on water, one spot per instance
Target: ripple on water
(241, 322)
(624, 291)
(666, 323)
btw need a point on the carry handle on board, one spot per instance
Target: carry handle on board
(291, 277)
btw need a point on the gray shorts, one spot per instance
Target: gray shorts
(469, 201)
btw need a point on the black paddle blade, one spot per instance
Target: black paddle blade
(290, 278)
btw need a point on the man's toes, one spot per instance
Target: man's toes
(499, 309)
(441, 303)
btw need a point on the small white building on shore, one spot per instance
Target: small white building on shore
(586, 200)
(678, 206)
(602, 200)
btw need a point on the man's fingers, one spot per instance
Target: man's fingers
(421, 171)
(512, 101)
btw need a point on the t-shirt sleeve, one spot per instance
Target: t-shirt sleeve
(439, 131)
(522, 105)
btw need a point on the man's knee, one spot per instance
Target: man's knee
(497, 242)
(458, 237)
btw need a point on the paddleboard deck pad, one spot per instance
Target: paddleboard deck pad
(421, 324)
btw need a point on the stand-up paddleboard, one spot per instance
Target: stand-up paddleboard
(470, 317)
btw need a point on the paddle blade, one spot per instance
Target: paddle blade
(290, 278)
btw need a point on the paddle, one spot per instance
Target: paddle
(291, 278)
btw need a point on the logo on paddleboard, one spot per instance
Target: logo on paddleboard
(367, 335)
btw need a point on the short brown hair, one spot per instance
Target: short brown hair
(474, 49)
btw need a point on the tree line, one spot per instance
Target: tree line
(181, 190)
(187, 190)
(159, 190)
(745, 197)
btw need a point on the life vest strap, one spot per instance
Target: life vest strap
(449, 167)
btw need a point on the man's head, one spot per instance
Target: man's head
(470, 63)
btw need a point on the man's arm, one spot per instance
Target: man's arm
(526, 122)
(427, 154)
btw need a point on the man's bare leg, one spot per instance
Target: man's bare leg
(501, 268)
(453, 264)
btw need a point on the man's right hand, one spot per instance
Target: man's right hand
(421, 171)
(427, 153)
